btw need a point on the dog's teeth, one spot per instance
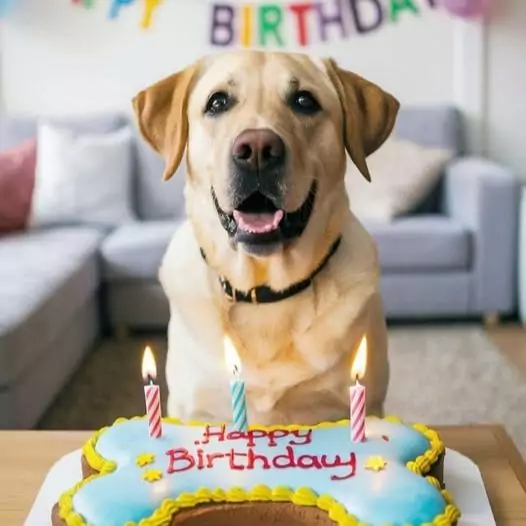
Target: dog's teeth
(255, 223)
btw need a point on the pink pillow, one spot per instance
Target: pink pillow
(17, 179)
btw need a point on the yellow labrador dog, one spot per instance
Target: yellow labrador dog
(271, 254)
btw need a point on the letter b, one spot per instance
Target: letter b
(222, 30)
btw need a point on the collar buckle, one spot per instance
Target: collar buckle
(253, 295)
(229, 291)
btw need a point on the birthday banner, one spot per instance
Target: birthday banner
(301, 22)
(284, 23)
(115, 6)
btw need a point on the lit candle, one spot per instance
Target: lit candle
(357, 393)
(237, 387)
(151, 394)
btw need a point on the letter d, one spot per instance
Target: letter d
(361, 26)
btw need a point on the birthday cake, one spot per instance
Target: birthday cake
(210, 474)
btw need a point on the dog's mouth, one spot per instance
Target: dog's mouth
(258, 221)
(258, 215)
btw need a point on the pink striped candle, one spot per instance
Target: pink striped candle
(357, 394)
(152, 394)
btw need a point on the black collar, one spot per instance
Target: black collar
(264, 294)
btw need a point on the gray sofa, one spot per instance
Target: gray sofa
(453, 256)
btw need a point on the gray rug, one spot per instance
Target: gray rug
(455, 376)
(438, 375)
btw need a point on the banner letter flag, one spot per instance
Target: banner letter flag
(246, 29)
(361, 26)
(336, 17)
(222, 25)
(300, 10)
(270, 19)
(116, 5)
(398, 6)
(149, 8)
(466, 8)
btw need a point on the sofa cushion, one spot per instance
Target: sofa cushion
(17, 180)
(432, 127)
(83, 179)
(156, 198)
(15, 129)
(425, 243)
(135, 251)
(403, 173)
(46, 276)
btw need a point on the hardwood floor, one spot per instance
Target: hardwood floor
(510, 339)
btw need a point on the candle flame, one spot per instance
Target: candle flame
(231, 356)
(360, 361)
(149, 369)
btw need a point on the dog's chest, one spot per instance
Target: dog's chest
(281, 344)
(262, 331)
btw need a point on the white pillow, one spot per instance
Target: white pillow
(82, 178)
(402, 175)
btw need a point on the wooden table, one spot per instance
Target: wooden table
(26, 456)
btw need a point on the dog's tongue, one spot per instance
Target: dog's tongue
(258, 223)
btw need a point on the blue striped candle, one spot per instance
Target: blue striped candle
(237, 387)
(239, 405)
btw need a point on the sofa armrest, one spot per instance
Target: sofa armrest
(485, 198)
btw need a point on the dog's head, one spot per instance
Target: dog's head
(266, 137)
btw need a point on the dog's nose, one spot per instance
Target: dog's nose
(258, 150)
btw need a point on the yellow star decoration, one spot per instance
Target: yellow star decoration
(143, 459)
(152, 475)
(375, 463)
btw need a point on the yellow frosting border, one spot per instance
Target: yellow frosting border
(301, 497)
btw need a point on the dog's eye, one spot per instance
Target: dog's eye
(304, 102)
(218, 102)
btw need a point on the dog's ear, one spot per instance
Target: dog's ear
(369, 114)
(161, 112)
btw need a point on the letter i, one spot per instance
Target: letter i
(246, 25)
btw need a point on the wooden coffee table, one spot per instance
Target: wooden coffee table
(26, 456)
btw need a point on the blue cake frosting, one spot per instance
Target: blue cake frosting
(370, 479)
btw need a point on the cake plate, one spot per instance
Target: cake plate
(461, 475)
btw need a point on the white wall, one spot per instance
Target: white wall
(506, 101)
(58, 58)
